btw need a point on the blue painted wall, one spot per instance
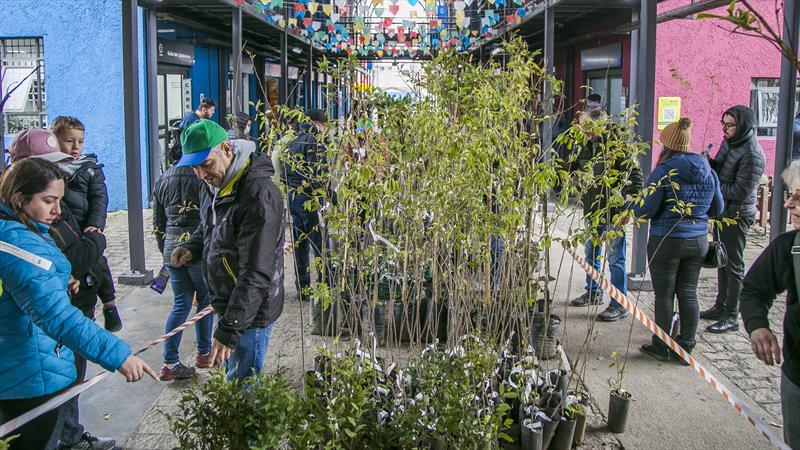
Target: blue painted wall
(83, 74)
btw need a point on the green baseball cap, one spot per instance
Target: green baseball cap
(198, 139)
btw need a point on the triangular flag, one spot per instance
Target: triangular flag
(394, 9)
(307, 22)
(341, 3)
(335, 17)
(316, 25)
(459, 5)
(312, 7)
(378, 12)
(327, 9)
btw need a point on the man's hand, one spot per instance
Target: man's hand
(180, 257)
(219, 352)
(92, 229)
(133, 369)
(765, 346)
(73, 285)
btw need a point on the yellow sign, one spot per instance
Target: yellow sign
(669, 111)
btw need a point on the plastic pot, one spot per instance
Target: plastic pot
(324, 321)
(530, 438)
(562, 438)
(544, 335)
(618, 412)
(548, 430)
(580, 428)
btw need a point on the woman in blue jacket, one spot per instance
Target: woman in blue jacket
(678, 236)
(39, 328)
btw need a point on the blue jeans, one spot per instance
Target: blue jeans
(186, 281)
(616, 263)
(248, 358)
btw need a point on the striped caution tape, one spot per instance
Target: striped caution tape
(74, 391)
(637, 313)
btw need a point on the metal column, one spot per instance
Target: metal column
(309, 78)
(236, 59)
(549, 35)
(154, 145)
(283, 86)
(133, 158)
(633, 85)
(786, 112)
(645, 92)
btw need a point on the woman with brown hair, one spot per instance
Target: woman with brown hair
(39, 328)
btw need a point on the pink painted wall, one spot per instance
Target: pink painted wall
(710, 68)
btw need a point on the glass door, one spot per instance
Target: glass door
(607, 84)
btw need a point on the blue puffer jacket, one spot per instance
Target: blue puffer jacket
(699, 186)
(38, 325)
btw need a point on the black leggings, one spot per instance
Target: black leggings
(35, 434)
(675, 269)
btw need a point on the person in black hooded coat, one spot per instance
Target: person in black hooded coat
(740, 164)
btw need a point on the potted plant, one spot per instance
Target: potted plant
(619, 399)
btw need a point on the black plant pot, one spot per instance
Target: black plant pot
(549, 429)
(562, 439)
(324, 321)
(544, 335)
(530, 439)
(618, 413)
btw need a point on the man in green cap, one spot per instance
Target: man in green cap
(240, 242)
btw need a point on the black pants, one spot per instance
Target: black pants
(675, 269)
(35, 434)
(734, 238)
(70, 428)
(307, 236)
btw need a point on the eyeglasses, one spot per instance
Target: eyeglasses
(727, 125)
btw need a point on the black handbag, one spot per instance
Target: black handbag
(717, 256)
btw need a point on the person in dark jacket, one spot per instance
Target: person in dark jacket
(678, 239)
(595, 201)
(176, 215)
(739, 163)
(87, 197)
(305, 168)
(796, 137)
(239, 240)
(772, 273)
(240, 127)
(41, 329)
(205, 110)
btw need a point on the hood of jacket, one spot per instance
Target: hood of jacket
(745, 123)
(692, 167)
(242, 150)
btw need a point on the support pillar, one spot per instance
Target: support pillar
(786, 112)
(549, 35)
(138, 275)
(283, 86)
(155, 157)
(308, 91)
(236, 60)
(645, 93)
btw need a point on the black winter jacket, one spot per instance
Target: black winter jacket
(771, 274)
(86, 193)
(596, 197)
(305, 161)
(84, 251)
(176, 208)
(240, 238)
(740, 163)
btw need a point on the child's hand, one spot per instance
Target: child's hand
(94, 229)
(73, 285)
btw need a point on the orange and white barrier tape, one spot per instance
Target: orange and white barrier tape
(74, 391)
(637, 313)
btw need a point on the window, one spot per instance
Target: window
(22, 75)
(764, 101)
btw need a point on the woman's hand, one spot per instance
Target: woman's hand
(133, 369)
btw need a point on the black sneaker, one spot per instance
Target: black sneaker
(113, 323)
(658, 352)
(587, 299)
(89, 442)
(612, 314)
